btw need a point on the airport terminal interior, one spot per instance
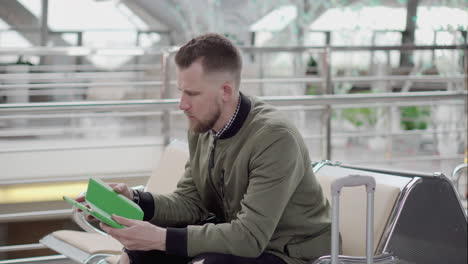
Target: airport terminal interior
(88, 89)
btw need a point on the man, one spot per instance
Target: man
(248, 167)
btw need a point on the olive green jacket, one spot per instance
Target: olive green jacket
(261, 183)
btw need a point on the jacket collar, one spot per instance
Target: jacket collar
(244, 109)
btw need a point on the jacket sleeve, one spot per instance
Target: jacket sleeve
(180, 208)
(275, 169)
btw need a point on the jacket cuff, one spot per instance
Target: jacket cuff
(146, 204)
(176, 241)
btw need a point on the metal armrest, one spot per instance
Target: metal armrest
(384, 258)
(97, 259)
(79, 217)
(457, 174)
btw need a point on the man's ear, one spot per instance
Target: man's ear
(228, 91)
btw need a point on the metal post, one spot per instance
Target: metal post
(389, 147)
(137, 44)
(303, 7)
(465, 55)
(434, 42)
(335, 246)
(326, 116)
(165, 94)
(44, 22)
(79, 59)
(328, 38)
(44, 26)
(408, 34)
(370, 228)
(371, 60)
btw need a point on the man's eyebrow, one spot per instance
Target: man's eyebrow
(191, 92)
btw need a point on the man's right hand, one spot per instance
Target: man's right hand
(121, 188)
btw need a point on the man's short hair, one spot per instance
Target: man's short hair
(216, 52)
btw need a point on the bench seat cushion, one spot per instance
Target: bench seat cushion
(92, 243)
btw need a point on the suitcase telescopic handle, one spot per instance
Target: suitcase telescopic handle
(336, 186)
(352, 181)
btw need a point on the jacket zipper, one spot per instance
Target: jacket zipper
(210, 169)
(222, 184)
(225, 204)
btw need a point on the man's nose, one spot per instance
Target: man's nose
(183, 104)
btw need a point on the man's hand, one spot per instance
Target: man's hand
(124, 259)
(137, 235)
(121, 188)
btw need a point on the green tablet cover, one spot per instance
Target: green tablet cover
(104, 202)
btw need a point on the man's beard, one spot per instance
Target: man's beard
(202, 126)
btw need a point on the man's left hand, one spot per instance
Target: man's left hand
(137, 235)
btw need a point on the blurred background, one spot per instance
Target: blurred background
(87, 89)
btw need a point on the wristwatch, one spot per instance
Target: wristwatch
(136, 197)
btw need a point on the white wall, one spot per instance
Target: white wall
(60, 159)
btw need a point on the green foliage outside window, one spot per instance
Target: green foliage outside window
(414, 117)
(364, 116)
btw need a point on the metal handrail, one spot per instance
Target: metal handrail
(35, 215)
(42, 259)
(29, 131)
(79, 67)
(350, 48)
(80, 84)
(150, 143)
(385, 133)
(21, 247)
(137, 51)
(407, 159)
(368, 98)
(150, 82)
(61, 75)
(177, 112)
(360, 79)
(168, 104)
(81, 51)
(128, 74)
(70, 178)
(76, 115)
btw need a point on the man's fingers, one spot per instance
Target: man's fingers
(105, 227)
(80, 198)
(113, 185)
(118, 187)
(124, 221)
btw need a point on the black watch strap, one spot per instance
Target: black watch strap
(136, 197)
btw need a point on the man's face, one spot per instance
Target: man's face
(201, 97)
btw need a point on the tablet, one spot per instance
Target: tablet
(104, 202)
